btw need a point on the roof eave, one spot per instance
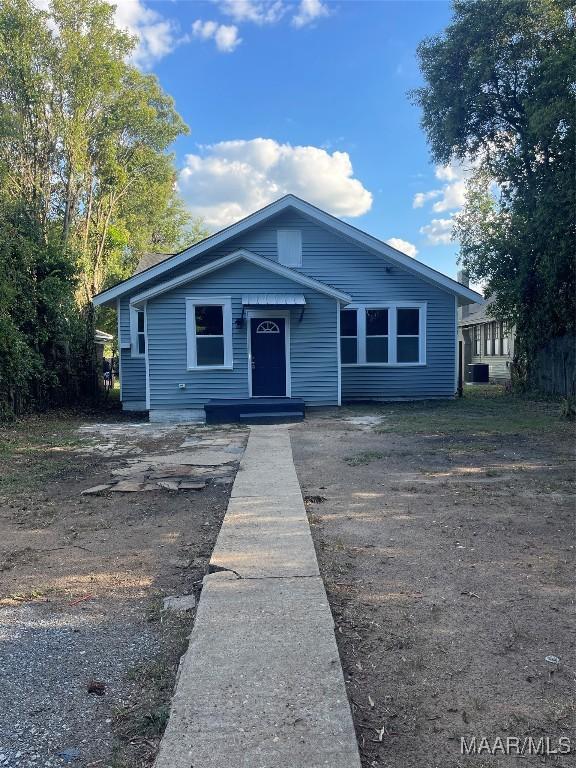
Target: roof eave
(347, 230)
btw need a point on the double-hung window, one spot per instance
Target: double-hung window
(138, 331)
(392, 334)
(505, 340)
(377, 335)
(209, 332)
(408, 335)
(477, 341)
(489, 342)
(348, 336)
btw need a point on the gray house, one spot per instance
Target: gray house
(485, 340)
(288, 308)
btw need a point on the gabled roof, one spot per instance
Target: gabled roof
(253, 258)
(315, 214)
(478, 313)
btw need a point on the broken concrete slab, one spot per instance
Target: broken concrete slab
(127, 486)
(179, 604)
(186, 485)
(197, 458)
(178, 471)
(169, 485)
(96, 489)
(130, 471)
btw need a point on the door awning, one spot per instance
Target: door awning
(274, 299)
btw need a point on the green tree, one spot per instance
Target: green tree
(86, 184)
(500, 94)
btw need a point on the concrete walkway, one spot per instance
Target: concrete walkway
(261, 684)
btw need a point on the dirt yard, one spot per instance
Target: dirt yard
(445, 534)
(87, 653)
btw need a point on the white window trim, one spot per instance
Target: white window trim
(134, 332)
(422, 306)
(356, 335)
(216, 301)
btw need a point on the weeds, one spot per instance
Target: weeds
(483, 411)
(365, 457)
(139, 726)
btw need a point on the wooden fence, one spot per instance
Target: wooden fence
(554, 368)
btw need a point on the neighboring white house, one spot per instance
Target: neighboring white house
(484, 339)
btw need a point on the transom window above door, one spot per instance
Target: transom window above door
(392, 334)
(267, 326)
(209, 332)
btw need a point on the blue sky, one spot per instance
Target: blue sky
(308, 96)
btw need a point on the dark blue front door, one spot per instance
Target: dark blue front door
(268, 349)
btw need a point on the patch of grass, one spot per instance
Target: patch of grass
(481, 411)
(365, 457)
(36, 449)
(139, 725)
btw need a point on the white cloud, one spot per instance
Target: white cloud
(308, 12)
(157, 36)
(255, 11)
(224, 35)
(231, 179)
(438, 232)
(204, 29)
(453, 193)
(422, 197)
(264, 12)
(403, 245)
(453, 196)
(227, 38)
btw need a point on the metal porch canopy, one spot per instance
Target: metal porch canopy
(273, 299)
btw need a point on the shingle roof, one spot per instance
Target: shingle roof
(477, 313)
(148, 260)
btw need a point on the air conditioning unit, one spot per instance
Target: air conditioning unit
(478, 373)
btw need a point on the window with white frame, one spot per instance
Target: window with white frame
(138, 331)
(477, 340)
(392, 334)
(408, 335)
(348, 336)
(489, 345)
(209, 332)
(377, 335)
(505, 340)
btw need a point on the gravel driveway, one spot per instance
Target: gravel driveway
(48, 656)
(83, 577)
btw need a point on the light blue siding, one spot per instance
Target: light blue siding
(133, 369)
(370, 279)
(334, 260)
(313, 342)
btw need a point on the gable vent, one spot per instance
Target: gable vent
(290, 247)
